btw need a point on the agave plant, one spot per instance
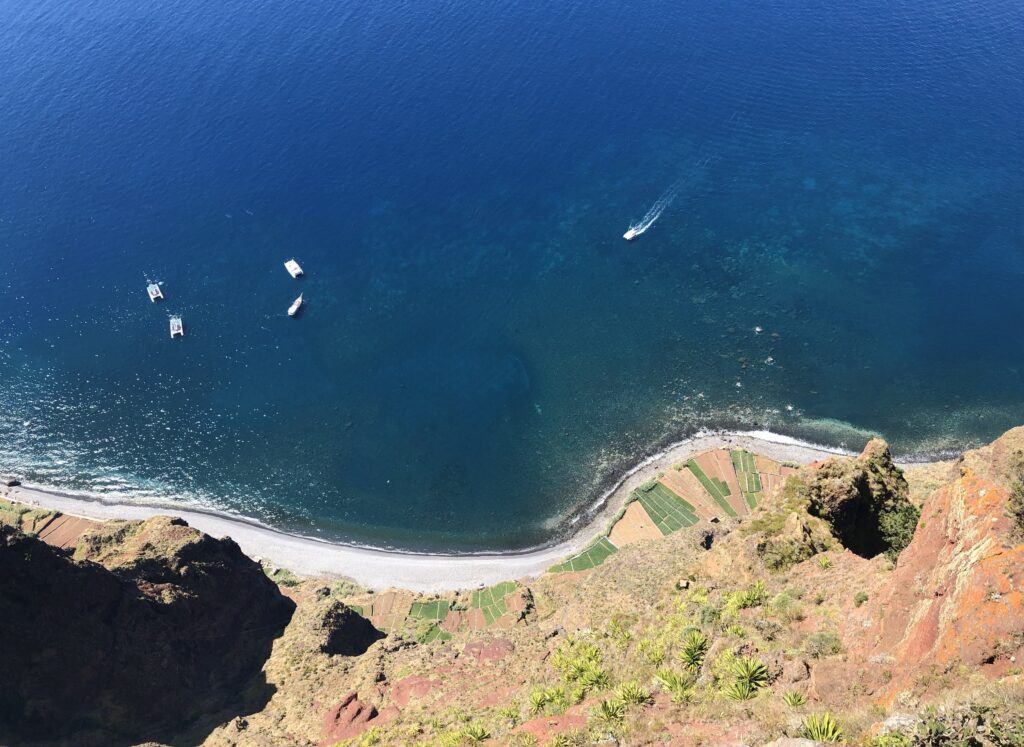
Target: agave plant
(475, 734)
(794, 699)
(695, 646)
(750, 671)
(822, 727)
(610, 712)
(632, 693)
(739, 691)
(538, 701)
(679, 686)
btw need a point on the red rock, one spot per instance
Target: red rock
(956, 596)
(496, 650)
(414, 686)
(545, 727)
(348, 718)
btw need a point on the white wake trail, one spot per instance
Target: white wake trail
(641, 226)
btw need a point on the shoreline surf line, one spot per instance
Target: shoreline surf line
(378, 568)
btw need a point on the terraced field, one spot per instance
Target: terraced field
(714, 484)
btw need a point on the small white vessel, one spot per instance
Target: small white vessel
(293, 268)
(296, 305)
(154, 292)
(630, 234)
(177, 328)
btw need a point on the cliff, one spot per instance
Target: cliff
(734, 601)
(149, 628)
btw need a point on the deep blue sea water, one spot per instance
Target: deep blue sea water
(481, 350)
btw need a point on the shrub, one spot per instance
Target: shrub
(510, 713)
(609, 712)
(794, 699)
(859, 598)
(750, 675)
(822, 728)
(475, 734)
(679, 686)
(750, 671)
(823, 561)
(631, 693)
(548, 700)
(821, 644)
(753, 596)
(695, 646)
(972, 725)
(896, 527)
(571, 738)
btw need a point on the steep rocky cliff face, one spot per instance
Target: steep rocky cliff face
(955, 603)
(150, 628)
(865, 500)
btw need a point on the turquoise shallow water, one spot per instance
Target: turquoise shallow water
(481, 351)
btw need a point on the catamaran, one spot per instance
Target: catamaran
(154, 292)
(296, 305)
(293, 268)
(177, 328)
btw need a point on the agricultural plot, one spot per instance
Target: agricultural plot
(634, 526)
(436, 610)
(667, 510)
(716, 487)
(492, 601)
(748, 477)
(434, 633)
(594, 555)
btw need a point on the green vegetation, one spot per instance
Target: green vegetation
(976, 724)
(753, 596)
(716, 488)
(748, 477)
(822, 728)
(667, 510)
(580, 664)
(749, 676)
(594, 555)
(435, 610)
(821, 644)
(1015, 505)
(491, 601)
(860, 598)
(431, 633)
(632, 694)
(282, 576)
(549, 700)
(897, 525)
(794, 699)
(609, 712)
(679, 686)
(695, 647)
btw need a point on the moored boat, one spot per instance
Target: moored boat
(296, 305)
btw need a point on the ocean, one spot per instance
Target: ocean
(481, 351)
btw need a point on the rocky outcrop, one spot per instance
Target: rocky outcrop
(340, 630)
(347, 718)
(957, 597)
(864, 500)
(149, 628)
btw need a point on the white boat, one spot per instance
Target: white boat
(630, 234)
(296, 305)
(154, 292)
(293, 268)
(177, 328)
